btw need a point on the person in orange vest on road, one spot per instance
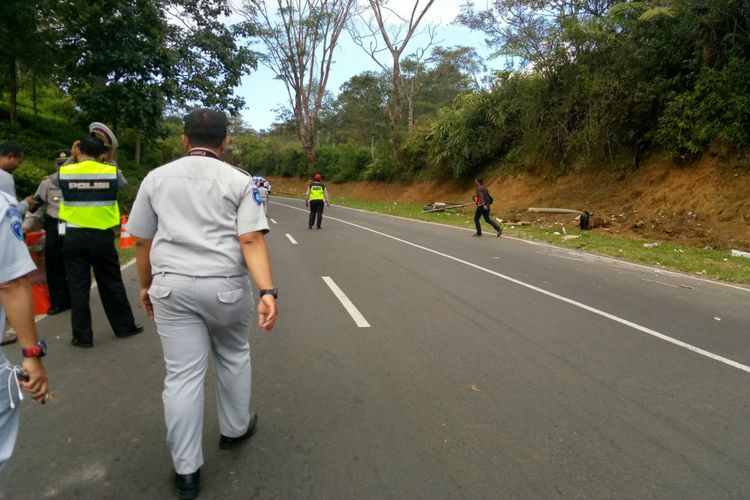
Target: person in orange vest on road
(315, 197)
(89, 213)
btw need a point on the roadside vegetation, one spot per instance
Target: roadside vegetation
(588, 85)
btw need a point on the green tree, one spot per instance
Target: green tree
(359, 112)
(26, 36)
(128, 60)
(396, 32)
(301, 37)
(210, 54)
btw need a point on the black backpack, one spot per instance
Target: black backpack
(489, 198)
(585, 222)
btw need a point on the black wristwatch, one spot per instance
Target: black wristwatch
(269, 291)
(38, 351)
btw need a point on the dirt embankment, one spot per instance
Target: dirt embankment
(705, 204)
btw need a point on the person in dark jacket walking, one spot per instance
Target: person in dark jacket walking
(483, 201)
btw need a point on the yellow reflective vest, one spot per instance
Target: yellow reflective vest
(89, 191)
(317, 191)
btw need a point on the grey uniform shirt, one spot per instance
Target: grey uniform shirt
(194, 210)
(52, 196)
(8, 185)
(15, 260)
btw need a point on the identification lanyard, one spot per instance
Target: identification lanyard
(203, 152)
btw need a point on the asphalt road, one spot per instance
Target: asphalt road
(491, 368)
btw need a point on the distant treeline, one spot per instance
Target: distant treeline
(605, 84)
(588, 84)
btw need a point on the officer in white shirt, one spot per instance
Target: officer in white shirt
(16, 299)
(199, 226)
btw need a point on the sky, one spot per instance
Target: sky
(263, 93)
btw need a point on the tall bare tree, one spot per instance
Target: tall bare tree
(301, 36)
(396, 39)
(413, 78)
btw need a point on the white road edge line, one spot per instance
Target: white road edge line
(572, 302)
(289, 237)
(613, 260)
(359, 320)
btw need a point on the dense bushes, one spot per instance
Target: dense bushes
(717, 108)
(271, 156)
(633, 81)
(603, 85)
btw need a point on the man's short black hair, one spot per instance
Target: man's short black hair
(205, 127)
(10, 148)
(92, 146)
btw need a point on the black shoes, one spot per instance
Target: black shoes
(78, 343)
(138, 329)
(188, 485)
(499, 232)
(476, 235)
(86, 345)
(56, 310)
(227, 443)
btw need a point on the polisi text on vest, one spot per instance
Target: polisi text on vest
(89, 185)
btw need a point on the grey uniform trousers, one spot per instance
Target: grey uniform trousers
(9, 395)
(195, 317)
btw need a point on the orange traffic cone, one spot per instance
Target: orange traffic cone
(126, 240)
(40, 292)
(38, 278)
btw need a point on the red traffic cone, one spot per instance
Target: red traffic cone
(40, 292)
(126, 240)
(38, 278)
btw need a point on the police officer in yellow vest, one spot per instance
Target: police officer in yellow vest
(315, 197)
(88, 214)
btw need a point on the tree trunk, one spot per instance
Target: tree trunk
(13, 92)
(372, 147)
(310, 153)
(33, 92)
(397, 110)
(116, 117)
(410, 103)
(307, 137)
(138, 148)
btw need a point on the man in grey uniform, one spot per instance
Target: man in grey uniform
(16, 299)
(199, 226)
(11, 157)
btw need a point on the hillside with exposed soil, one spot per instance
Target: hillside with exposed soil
(704, 204)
